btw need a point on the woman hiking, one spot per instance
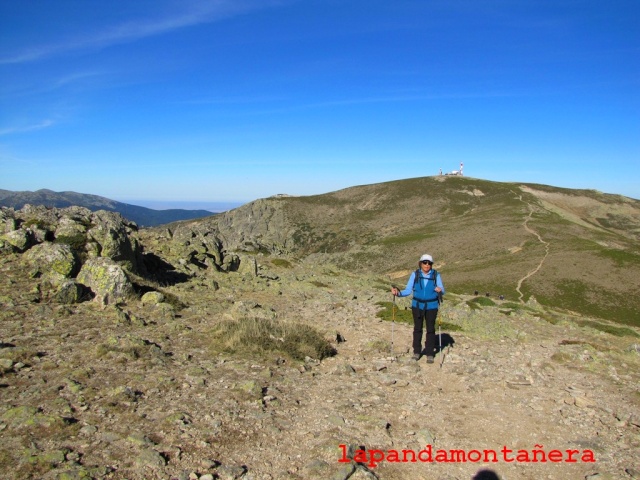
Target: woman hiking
(427, 288)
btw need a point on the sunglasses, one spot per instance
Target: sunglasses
(424, 262)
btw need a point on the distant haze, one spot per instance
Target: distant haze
(214, 207)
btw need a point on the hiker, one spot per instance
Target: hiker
(427, 295)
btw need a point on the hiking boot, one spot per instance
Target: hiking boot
(416, 356)
(429, 359)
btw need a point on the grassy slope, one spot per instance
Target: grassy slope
(475, 230)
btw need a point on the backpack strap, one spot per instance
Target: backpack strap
(415, 279)
(417, 275)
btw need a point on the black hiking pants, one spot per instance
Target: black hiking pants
(429, 317)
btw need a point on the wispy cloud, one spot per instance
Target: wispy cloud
(26, 128)
(192, 14)
(79, 79)
(392, 98)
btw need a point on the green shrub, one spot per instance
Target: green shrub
(611, 329)
(478, 302)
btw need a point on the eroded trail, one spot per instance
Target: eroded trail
(546, 254)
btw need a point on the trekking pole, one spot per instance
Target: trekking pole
(393, 322)
(440, 340)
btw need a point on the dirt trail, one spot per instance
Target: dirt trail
(546, 244)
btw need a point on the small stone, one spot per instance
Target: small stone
(73, 456)
(386, 380)
(150, 458)
(208, 464)
(230, 472)
(88, 430)
(6, 364)
(584, 402)
(426, 437)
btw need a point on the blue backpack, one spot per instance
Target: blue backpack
(434, 278)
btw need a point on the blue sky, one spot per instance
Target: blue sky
(179, 102)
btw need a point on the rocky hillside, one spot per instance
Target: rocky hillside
(142, 216)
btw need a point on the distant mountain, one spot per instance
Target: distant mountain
(144, 217)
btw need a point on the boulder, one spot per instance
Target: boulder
(69, 293)
(112, 232)
(247, 265)
(231, 263)
(152, 298)
(8, 220)
(56, 262)
(106, 278)
(19, 239)
(69, 230)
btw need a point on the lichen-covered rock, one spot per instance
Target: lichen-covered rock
(248, 265)
(113, 233)
(152, 298)
(7, 220)
(19, 239)
(69, 293)
(56, 262)
(88, 234)
(106, 278)
(231, 263)
(6, 365)
(70, 230)
(41, 234)
(5, 247)
(151, 459)
(26, 416)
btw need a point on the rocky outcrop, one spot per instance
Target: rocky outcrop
(259, 226)
(113, 235)
(85, 233)
(106, 279)
(58, 244)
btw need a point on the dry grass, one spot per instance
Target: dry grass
(251, 336)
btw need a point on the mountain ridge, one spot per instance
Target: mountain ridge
(141, 215)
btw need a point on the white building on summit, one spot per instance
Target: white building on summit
(454, 172)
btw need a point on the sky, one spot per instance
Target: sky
(192, 102)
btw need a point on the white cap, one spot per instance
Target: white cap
(426, 257)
